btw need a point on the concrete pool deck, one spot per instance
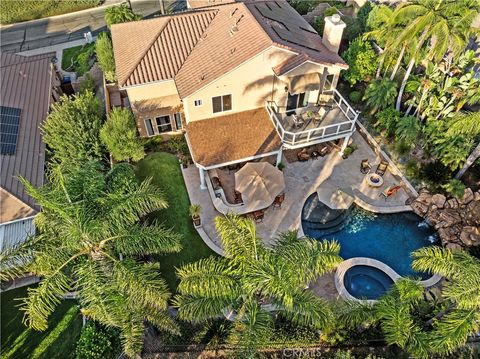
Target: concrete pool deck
(301, 180)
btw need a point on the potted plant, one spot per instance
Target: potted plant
(185, 162)
(281, 166)
(349, 150)
(195, 210)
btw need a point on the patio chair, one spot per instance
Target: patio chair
(381, 168)
(365, 166)
(216, 184)
(277, 203)
(297, 120)
(238, 197)
(303, 155)
(390, 191)
(258, 215)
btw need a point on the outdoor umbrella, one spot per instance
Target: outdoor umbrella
(259, 183)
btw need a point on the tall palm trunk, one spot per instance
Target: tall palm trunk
(399, 61)
(380, 64)
(422, 39)
(469, 162)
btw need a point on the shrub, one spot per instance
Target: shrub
(403, 147)
(318, 24)
(353, 30)
(106, 60)
(304, 6)
(363, 14)
(355, 96)
(119, 134)
(362, 61)
(454, 187)
(435, 172)
(178, 145)
(83, 60)
(387, 120)
(407, 129)
(380, 94)
(97, 342)
(412, 168)
(71, 130)
(154, 144)
(330, 11)
(88, 84)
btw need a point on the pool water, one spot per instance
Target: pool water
(365, 282)
(389, 238)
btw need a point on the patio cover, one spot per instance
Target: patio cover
(334, 197)
(259, 183)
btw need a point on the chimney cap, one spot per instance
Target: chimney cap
(336, 18)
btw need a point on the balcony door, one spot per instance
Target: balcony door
(295, 101)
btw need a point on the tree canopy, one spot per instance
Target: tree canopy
(71, 130)
(106, 60)
(120, 136)
(361, 60)
(120, 14)
(89, 220)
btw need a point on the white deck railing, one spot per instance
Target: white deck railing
(317, 134)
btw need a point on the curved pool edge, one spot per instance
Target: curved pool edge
(352, 262)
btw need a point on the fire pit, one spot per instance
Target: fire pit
(374, 180)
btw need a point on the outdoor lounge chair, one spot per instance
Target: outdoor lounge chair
(381, 168)
(365, 166)
(277, 203)
(390, 191)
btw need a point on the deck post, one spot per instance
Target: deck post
(345, 144)
(203, 184)
(279, 155)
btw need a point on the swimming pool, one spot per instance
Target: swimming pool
(389, 238)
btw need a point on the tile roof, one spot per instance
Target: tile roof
(25, 84)
(196, 47)
(228, 138)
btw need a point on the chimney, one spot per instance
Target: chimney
(332, 33)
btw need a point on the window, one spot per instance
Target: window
(297, 101)
(178, 120)
(149, 127)
(328, 82)
(198, 103)
(222, 103)
(163, 124)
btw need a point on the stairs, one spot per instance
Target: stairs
(318, 220)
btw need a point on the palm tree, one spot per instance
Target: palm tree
(253, 280)
(461, 293)
(466, 124)
(120, 14)
(395, 312)
(89, 220)
(407, 129)
(380, 94)
(447, 24)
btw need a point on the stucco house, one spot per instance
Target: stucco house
(29, 85)
(236, 78)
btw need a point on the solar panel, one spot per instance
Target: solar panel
(9, 127)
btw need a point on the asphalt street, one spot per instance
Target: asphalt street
(55, 30)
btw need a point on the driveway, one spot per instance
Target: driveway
(63, 28)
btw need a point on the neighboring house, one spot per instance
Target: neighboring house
(28, 86)
(232, 76)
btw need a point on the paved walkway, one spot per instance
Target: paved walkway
(68, 27)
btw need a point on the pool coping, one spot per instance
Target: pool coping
(352, 262)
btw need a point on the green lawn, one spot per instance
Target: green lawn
(58, 341)
(70, 56)
(165, 171)
(12, 11)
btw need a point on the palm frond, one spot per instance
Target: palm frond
(132, 334)
(355, 313)
(153, 239)
(161, 319)
(16, 260)
(42, 300)
(465, 124)
(308, 310)
(197, 308)
(209, 277)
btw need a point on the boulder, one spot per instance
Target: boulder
(476, 196)
(453, 246)
(470, 236)
(439, 200)
(449, 217)
(467, 196)
(420, 208)
(452, 203)
(472, 213)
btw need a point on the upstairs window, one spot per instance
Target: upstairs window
(222, 103)
(198, 103)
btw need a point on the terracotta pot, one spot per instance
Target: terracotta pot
(196, 221)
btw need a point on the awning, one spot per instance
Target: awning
(303, 83)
